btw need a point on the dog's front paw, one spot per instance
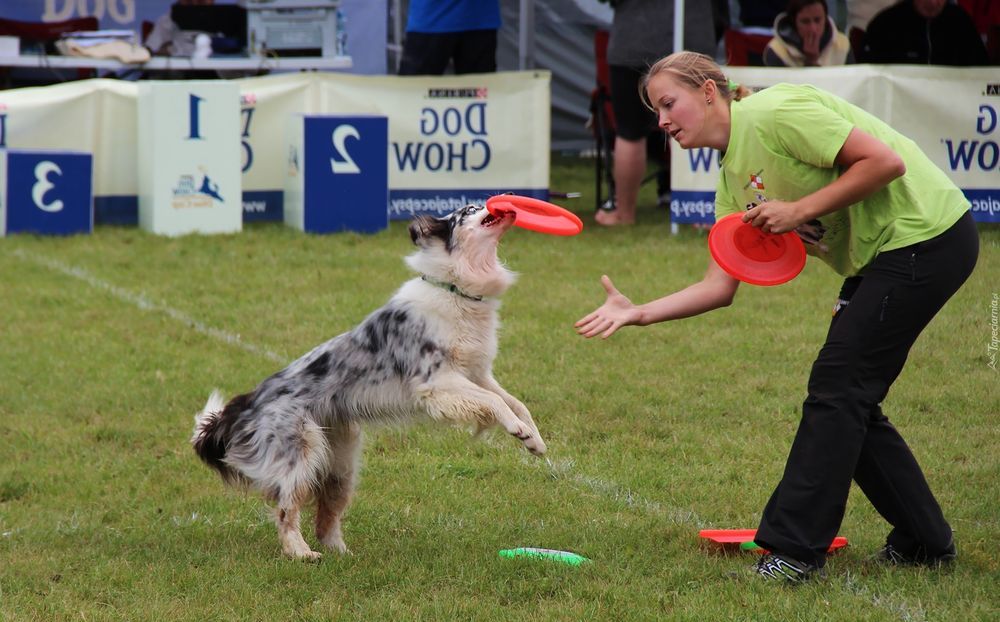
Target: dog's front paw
(531, 439)
(535, 445)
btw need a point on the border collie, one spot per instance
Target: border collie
(428, 353)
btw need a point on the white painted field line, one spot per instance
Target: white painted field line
(564, 469)
(140, 301)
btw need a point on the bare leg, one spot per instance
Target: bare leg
(629, 169)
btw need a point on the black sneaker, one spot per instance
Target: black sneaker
(919, 557)
(783, 568)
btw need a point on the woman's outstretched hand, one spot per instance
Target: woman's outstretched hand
(617, 311)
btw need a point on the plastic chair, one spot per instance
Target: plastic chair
(745, 48)
(602, 122)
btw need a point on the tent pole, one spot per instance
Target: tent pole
(678, 46)
(526, 36)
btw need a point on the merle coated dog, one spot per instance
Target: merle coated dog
(428, 353)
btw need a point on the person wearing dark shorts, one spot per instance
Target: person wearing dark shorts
(642, 32)
(460, 32)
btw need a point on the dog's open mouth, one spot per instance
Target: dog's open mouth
(494, 219)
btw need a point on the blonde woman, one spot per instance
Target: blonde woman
(873, 207)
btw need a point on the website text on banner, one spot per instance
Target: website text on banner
(960, 132)
(452, 139)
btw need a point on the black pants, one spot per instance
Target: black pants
(843, 433)
(428, 54)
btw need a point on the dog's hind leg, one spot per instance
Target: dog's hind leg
(335, 490)
(455, 398)
(288, 468)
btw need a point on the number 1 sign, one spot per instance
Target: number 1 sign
(46, 192)
(337, 174)
(189, 157)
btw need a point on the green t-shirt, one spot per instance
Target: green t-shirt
(782, 146)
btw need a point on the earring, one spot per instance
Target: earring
(708, 101)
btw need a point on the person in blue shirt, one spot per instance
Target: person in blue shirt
(460, 32)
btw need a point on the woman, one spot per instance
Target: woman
(805, 36)
(870, 204)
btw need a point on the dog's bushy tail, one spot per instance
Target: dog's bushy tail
(213, 431)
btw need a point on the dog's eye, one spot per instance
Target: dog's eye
(470, 210)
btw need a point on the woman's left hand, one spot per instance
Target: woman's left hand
(774, 216)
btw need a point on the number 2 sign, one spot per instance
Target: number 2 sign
(338, 177)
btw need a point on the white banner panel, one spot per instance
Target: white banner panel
(954, 115)
(957, 131)
(267, 105)
(189, 170)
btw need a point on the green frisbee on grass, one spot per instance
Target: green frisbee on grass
(564, 557)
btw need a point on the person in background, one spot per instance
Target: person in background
(859, 14)
(641, 32)
(805, 36)
(460, 32)
(924, 32)
(870, 204)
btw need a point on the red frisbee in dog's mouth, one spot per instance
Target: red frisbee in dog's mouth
(535, 214)
(753, 256)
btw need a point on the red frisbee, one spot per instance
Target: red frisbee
(755, 257)
(536, 215)
(744, 536)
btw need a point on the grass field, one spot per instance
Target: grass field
(109, 343)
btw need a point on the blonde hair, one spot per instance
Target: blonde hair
(692, 70)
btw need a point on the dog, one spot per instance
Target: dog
(426, 354)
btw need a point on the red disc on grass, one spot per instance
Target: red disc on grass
(742, 536)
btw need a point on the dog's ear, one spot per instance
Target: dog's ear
(424, 228)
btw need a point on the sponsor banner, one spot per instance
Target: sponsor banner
(985, 203)
(447, 134)
(88, 116)
(262, 205)
(960, 132)
(488, 132)
(688, 207)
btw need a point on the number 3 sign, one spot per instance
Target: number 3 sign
(46, 192)
(337, 174)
